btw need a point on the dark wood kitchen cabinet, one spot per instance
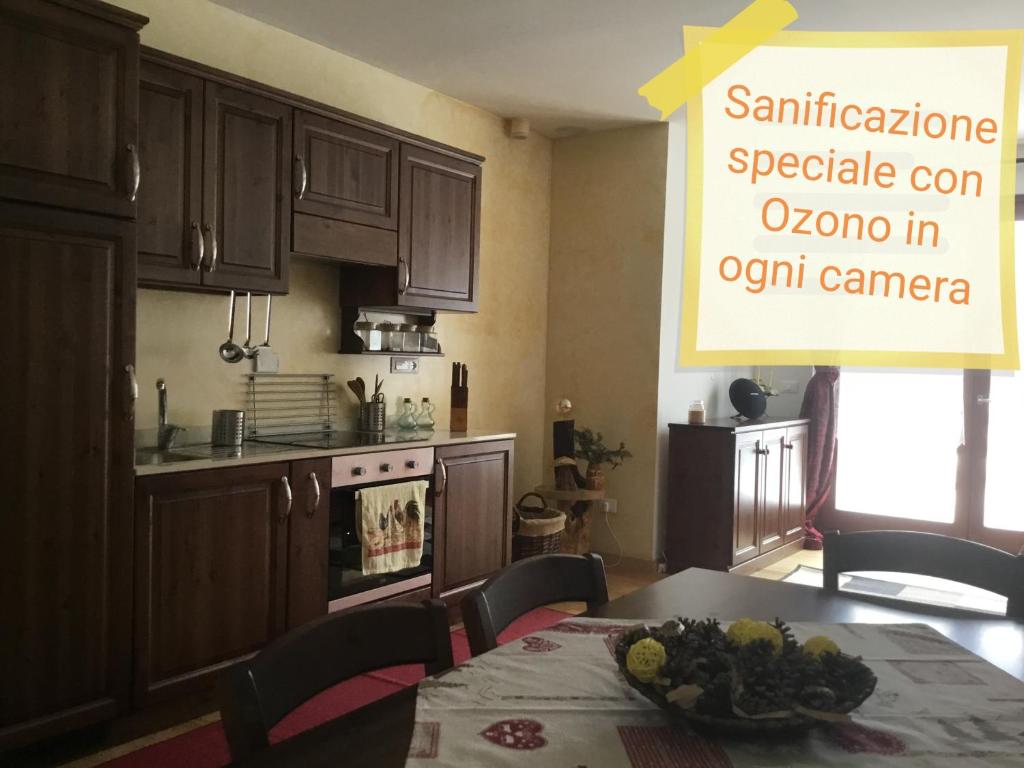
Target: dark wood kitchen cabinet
(472, 514)
(438, 239)
(67, 306)
(345, 191)
(308, 532)
(246, 177)
(210, 573)
(735, 493)
(213, 211)
(439, 231)
(171, 240)
(69, 105)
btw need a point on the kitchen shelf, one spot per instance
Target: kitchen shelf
(352, 344)
(390, 353)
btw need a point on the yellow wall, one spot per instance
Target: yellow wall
(504, 345)
(604, 309)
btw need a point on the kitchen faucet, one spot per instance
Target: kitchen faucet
(165, 432)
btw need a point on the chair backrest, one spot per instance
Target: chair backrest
(257, 693)
(927, 554)
(529, 584)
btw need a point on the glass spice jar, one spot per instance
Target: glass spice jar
(697, 414)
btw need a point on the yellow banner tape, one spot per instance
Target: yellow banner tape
(669, 89)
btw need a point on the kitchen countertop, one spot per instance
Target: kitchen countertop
(190, 458)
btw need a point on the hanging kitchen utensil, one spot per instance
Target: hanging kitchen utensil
(267, 360)
(229, 351)
(250, 351)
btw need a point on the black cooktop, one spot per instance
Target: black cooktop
(338, 439)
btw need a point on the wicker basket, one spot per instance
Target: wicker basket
(536, 530)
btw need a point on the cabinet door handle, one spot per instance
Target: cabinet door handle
(198, 246)
(131, 390)
(212, 264)
(788, 446)
(405, 283)
(316, 494)
(134, 173)
(301, 177)
(287, 498)
(444, 478)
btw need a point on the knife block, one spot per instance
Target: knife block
(459, 420)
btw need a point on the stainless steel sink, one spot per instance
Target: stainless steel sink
(156, 456)
(206, 452)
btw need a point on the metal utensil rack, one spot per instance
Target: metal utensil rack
(288, 403)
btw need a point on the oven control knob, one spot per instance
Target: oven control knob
(386, 467)
(412, 464)
(358, 471)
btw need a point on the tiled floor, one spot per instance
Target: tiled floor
(784, 567)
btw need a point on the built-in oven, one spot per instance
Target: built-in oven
(347, 584)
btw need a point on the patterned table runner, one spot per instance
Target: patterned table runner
(556, 698)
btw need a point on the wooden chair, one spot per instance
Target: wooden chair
(927, 554)
(529, 584)
(257, 693)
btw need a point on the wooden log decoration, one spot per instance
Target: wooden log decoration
(576, 538)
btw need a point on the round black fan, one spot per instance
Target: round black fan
(748, 398)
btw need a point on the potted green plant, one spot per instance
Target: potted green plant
(590, 446)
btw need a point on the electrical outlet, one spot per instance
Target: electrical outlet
(609, 506)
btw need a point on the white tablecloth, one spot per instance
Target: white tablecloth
(556, 698)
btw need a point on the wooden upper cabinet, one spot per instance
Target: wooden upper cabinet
(213, 207)
(472, 513)
(344, 192)
(210, 573)
(171, 247)
(69, 105)
(439, 231)
(67, 302)
(345, 173)
(246, 181)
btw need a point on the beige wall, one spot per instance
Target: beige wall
(604, 309)
(504, 344)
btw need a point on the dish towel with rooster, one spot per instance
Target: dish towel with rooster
(391, 522)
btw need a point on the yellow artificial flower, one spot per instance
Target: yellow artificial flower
(645, 659)
(820, 644)
(745, 631)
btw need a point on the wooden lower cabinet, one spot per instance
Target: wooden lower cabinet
(736, 497)
(210, 573)
(308, 531)
(472, 514)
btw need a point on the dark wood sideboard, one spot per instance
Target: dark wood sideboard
(736, 493)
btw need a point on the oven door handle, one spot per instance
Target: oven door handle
(444, 478)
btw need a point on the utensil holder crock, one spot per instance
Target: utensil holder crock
(371, 417)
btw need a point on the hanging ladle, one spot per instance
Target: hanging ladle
(229, 351)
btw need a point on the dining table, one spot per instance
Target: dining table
(975, 660)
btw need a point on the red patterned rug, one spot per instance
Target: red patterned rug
(206, 747)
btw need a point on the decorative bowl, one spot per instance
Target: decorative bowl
(753, 680)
